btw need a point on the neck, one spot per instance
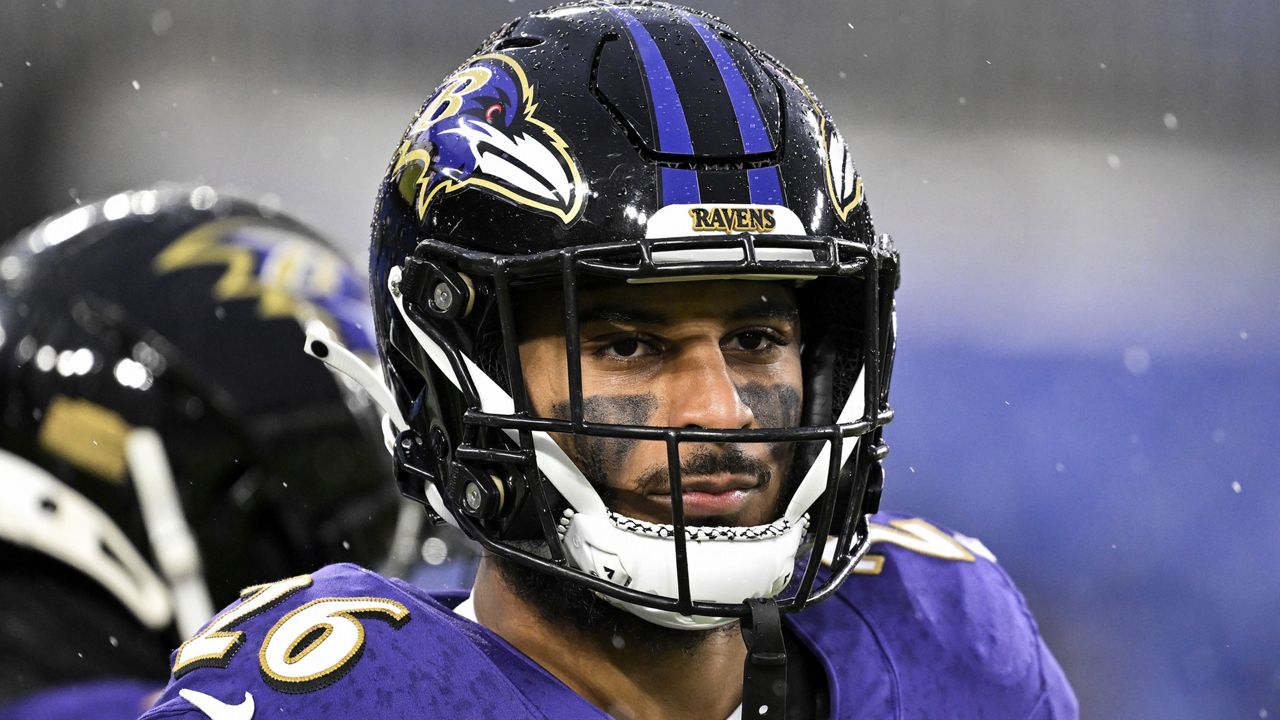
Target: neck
(617, 674)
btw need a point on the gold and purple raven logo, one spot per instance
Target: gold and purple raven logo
(479, 131)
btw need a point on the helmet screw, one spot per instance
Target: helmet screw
(472, 497)
(442, 296)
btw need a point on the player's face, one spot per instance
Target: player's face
(721, 355)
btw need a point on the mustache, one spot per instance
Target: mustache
(730, 461)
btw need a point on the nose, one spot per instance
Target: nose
(702, 392)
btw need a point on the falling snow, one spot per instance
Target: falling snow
(1171, 121)
(161, 22)
(136, 85)
(1236, 487)
(1137, 360)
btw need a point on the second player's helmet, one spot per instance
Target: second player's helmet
(164, 441)
(628, 142)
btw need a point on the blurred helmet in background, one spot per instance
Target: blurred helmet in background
(164, 441)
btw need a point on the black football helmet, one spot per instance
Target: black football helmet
(628, 142)
(164, 441)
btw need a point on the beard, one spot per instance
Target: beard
(577, 609)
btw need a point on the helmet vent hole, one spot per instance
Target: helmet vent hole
(518, 42)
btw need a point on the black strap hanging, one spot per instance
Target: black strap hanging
(764, 675)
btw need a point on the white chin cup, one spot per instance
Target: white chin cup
(726, 564)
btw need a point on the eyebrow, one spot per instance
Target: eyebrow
(767, 308)
(620, 314)
(630, 315)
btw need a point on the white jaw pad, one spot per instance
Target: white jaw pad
(79, 534)
(559, 469)
(815, 479)
(743, 562)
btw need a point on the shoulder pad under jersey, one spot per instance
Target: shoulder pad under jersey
(346, 643)
(928, 625)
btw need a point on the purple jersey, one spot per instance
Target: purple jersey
(927, 627)
(114, 699)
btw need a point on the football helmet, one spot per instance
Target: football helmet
(162, 435)
(627, 143)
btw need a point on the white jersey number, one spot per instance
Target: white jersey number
(317, 644)
(915, 535)
(307, 649)
(214, 646)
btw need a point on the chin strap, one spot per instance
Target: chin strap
(764, 674)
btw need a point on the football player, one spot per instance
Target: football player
(636, 332)
(164, 441)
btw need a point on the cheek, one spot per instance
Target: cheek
(602, 458)
(773, 405)
(545, 380)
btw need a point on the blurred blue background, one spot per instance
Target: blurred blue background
(1084, 193)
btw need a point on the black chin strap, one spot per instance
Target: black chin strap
(764, 674)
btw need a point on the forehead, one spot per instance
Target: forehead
(672, 302)
(667, 303)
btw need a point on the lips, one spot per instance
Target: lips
(711, 495)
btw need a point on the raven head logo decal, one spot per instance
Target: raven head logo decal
(479, 131)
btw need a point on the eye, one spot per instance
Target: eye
(628, 347)
(760, 340)
(493, 113)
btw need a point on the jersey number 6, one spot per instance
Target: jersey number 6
(307, 649)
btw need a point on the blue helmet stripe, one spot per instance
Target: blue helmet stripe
(765, 183)
(755, 137)
(673, 130)
(677, 186)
